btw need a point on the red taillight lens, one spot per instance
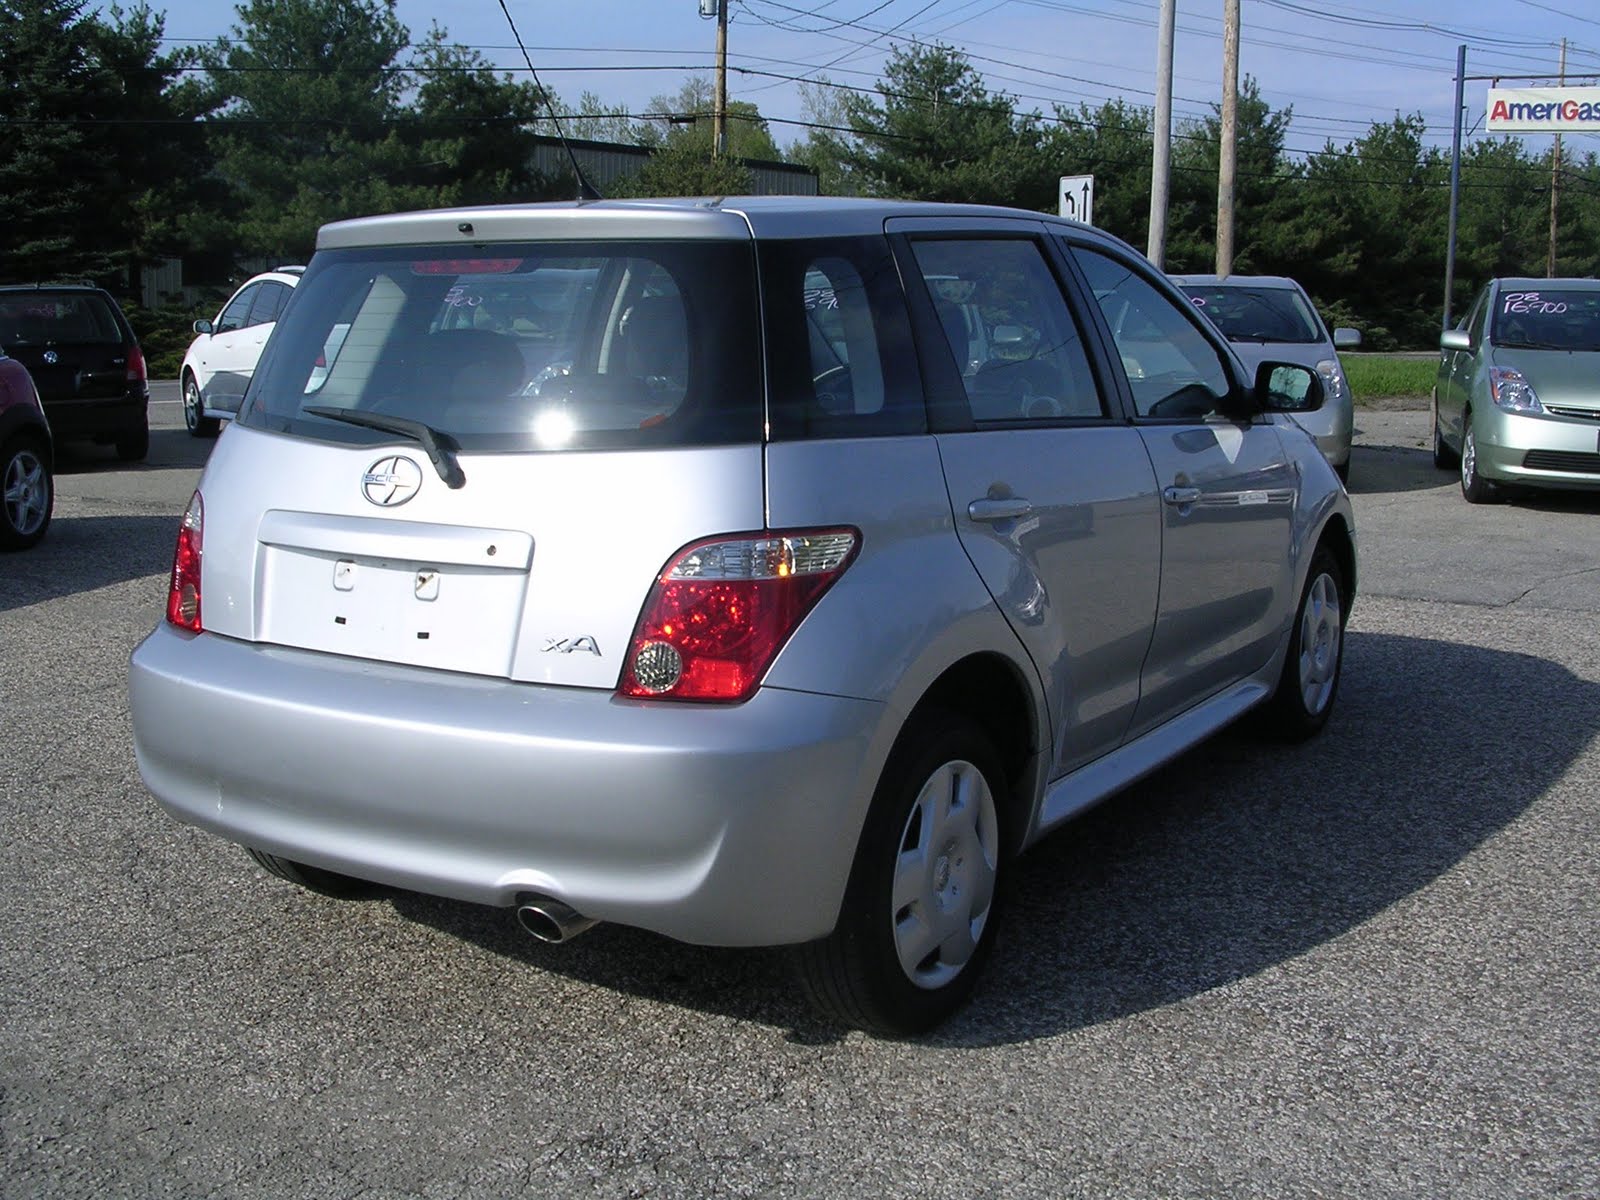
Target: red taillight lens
(723, 608)
(136, 367)
(183, 595)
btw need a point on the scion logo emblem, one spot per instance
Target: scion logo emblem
(391, 481)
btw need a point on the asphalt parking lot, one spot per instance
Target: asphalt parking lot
(1365, 966)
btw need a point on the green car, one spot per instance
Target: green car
(1517, 400)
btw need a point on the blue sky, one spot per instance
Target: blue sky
(1340, 72)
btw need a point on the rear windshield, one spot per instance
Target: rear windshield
(549, 346)
(57, 318)
(1258, 314)
(1548, 319)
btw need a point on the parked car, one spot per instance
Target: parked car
(85, 361)
(1517, 399)
(772, 620)
(223, 355)
(1271, 317)
(27, 484)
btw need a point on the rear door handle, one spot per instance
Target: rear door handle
(999, 510)
(1181, 495)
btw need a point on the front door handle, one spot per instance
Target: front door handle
(1181, 495)
(999, 510)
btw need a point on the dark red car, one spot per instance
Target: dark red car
(27, 488)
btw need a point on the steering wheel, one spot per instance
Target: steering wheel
(835, 392)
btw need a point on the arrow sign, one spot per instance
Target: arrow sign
(1077, 198)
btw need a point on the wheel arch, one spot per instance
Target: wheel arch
(993, 692)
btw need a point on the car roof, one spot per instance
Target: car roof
(722, 217)
(1528, 283)
(53, 287)
(1269, 281)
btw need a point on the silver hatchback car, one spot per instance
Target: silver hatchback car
(682, 564)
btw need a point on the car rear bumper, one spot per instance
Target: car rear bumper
(97, 417)
(1541, 451)
(710, 824)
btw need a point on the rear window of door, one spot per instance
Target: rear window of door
(270, 297)
(1006, 323)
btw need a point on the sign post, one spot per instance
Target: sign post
(1077, 198)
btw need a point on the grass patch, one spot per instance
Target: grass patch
(1375, 376)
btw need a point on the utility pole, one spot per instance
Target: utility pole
(1555, 177)
(1455, 185)
(719, 116)
(1230, 136)
(1161, 165)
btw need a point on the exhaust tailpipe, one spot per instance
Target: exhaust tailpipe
(550, 920)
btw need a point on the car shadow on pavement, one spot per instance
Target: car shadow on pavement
(1380, 470)
(169, 448)
(1241, 855)
(81, 554)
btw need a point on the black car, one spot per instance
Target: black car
(85, 361)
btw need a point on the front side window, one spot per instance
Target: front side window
(1009, 330)
(1173, 371)
(237, 314)
(531, 346)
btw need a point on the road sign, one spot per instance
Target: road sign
(1077, 198)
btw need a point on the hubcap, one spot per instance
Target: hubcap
(1320, 631)
(944, 875)
(191, 403)
(1469, 458)
(25, 492)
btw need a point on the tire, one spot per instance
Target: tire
(315, 879)
(1474, 486)
(133, 445)
(27, 493)
(1444, 458)
(920, 910)
(194, 420)
(1300, 706)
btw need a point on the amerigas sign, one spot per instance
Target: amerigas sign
(1544, 110)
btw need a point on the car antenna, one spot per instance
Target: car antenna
(586, 190)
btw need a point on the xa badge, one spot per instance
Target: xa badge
(585, 645)
(391, 481)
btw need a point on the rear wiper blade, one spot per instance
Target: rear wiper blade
(441, 447)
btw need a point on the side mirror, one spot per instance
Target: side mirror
(1345, 338)
(202, 326)
(1455, 339)
(1288, 387)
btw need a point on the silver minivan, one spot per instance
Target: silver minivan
(674, 563)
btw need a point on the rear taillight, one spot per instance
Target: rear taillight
(723, 608)
(136, 367)
(183, 594)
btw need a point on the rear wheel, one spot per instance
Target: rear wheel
(194, 418)
(1310, 679)
(919, 913)
(27, 494)
(133, 445)
(328, 883)
(1474, 486)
